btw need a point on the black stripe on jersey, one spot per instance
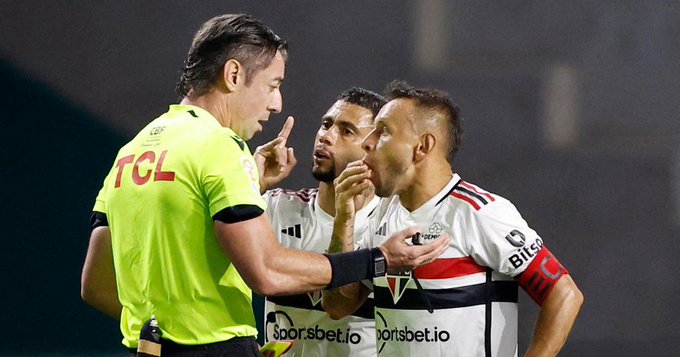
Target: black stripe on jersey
(239, 142)
(471, 295)
(487, 317)
(449, 193)
(238, 213)
(301, 301)
(193, 113)
(473, 194)
(98, 219)
(373, 210)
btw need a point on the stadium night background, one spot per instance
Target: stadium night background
(570, 111)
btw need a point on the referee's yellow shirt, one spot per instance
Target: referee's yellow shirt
(159, 197)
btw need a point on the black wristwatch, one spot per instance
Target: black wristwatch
(379, 264)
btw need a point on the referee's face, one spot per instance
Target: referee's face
(252, 104)
(338, 141)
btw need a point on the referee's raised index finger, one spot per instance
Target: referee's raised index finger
(287, 127)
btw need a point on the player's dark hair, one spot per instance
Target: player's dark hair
(435, 100)
(364, 98)
(230, 36)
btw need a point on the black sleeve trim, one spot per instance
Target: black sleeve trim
(98, 219)
(238, 213)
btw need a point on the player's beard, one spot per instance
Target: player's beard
(392, 173)
(324, 175)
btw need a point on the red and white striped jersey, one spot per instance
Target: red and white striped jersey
(300, 223)
(471, 289)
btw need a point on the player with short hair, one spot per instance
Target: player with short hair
(178, 226)
(303, 220)
(464, 303)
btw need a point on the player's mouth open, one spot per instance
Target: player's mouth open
(321, 154)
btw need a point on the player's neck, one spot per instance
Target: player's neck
(425, 186)
(326, 197)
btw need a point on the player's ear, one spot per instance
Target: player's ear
(426, 145)
(233, 74)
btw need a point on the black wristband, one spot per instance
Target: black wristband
(350, 267)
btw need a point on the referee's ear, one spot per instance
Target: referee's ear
(426, 145)
(233, 75)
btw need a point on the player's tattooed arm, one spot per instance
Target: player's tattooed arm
(344, 300)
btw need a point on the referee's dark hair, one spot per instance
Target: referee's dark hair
(229, 36)
(364, 98)
(438, 103)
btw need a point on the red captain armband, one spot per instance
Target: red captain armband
(541, 275)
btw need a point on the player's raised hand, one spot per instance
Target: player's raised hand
(351, 188)
(401, 256)
(275, 160)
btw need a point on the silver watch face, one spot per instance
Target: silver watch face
(379, 268)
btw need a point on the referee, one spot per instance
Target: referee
(178, 226)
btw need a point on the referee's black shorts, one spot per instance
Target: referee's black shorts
(237, 346)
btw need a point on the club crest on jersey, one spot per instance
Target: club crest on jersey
(397, 284)
(315, 297)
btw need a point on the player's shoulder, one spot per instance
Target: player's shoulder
(474, 199)
(304, 195)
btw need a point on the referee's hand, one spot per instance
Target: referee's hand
(275, 160)
(401, 256)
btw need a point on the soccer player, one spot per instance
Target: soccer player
(304, 220)
(178, 226)
(465, 302)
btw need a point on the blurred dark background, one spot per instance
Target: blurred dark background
(571, 111)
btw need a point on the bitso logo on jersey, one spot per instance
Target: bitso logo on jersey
(516, 238)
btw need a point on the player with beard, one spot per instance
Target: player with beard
(304, 220)
(464, 303)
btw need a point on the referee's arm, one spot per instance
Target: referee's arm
(98, 279)
(267, 267)
(270, 269)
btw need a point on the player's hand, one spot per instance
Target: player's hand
(274, 160)
(352, 188)
(401, 256)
